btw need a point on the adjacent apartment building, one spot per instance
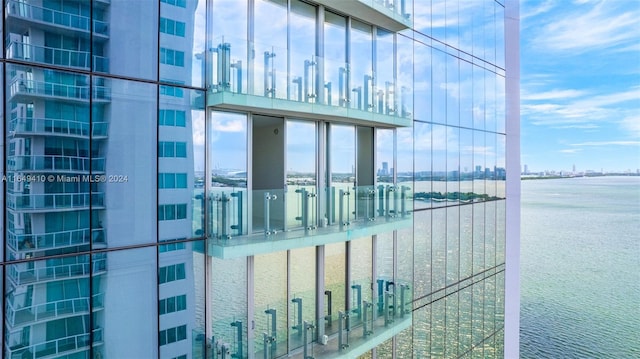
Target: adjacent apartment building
(260, 179)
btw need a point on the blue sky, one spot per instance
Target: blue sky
(580, 84)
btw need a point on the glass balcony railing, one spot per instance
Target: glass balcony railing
(54, 347)
(42, 88)
(61, 239)
(55, 56)
(54, 201)
(21, 274)
(245, 222)
(50, 126)
(19, 8)
(289, 81)
(55, 163)
(393, 15)
(51, 310)
(392, 8)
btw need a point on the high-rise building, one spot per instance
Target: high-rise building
(260, 178)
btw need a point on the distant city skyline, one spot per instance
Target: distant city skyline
(580, 98)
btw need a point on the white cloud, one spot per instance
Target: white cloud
(570, 150)
(552, 95)
(608, 143)
(602, 25)
(583, 110)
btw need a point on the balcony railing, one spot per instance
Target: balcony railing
(53, 347)
(51, 310)
(54, 201)
(285, 80)
(50, 126)
(55, 240)
(42, 88)
(24, 10)
(55, 56)
(282, 220)
(20, 274)
(54, 163)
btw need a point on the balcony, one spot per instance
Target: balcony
(390, 14)
(54, 348)
(56, 164)
(58, 57)
(45, 202)
(349, 333)
(52, 310)
(21, 274)
(21, 10)
(304, 86)
(283, 220)
(56, 240)
(24, 89)
(23, 126)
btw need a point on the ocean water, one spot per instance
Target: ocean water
(580, 268)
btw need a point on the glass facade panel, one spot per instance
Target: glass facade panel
(334, 286)
(120, 160)
(361, 252)
(385, 98)
(270, 49)
(180, 179)
(336, 70)
(304, 66)
(422, 254)
(227, 141)
(361, 70)
(124, 53)
(271, 302)
(228, 305)
(133, 272)
(181, 303)
(301, 178)
(302, 304)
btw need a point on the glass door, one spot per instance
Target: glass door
(301, 175)
(268, 195)
(341, 175)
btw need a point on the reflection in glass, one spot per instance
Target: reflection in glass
(181, 301)
(270, 48)
(227, 157)
(453, 245)
(422, 87)
(478, 237)
(50, 298)
(361, 278)
(228, 305)
(271, 303)
(404, 76)
(336, 74)
(301, 174)
(304, 66)
(131, 143)
(302, 304)
(133, 272)
(181, 179)
(228, 43)
(334, 291)
(385, 97)
(361, 79)
(136, 54)
(182, 43)
(342, 152)
(422, 254)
